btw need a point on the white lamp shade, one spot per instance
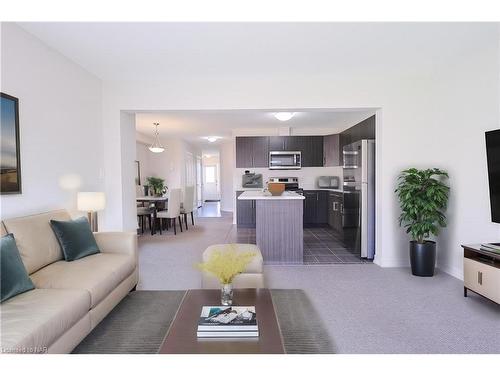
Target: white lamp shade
(90, 201)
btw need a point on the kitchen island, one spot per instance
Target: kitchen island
(279, 227)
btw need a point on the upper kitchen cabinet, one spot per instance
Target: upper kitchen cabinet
(252, 152)
(364, 130)
(312, 150)
(331, 150)
(278, 144)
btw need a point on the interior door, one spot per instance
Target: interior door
(210, 183)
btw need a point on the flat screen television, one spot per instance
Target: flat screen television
(493, 156)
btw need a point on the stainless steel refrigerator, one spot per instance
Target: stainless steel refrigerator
(358, 216)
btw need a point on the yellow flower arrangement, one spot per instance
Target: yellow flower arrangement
(225, 263)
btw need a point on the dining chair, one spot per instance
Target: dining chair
(173, 210)
(188, 205)
(142, 214)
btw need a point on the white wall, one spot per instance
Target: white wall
(128, 157)
(169, 165)
(428, 118)
(143, 155)
(227, 164)
(60, 124)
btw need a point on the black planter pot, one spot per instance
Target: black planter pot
(422, 258)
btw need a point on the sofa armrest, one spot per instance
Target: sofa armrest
(117, 242)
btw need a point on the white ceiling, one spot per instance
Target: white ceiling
(155, 51)
(192, 126)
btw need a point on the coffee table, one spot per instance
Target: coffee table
(181, 337)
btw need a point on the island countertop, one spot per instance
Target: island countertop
(259, 194)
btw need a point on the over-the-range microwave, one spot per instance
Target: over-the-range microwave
(285, 160)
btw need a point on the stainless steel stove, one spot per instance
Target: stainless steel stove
(291, 183)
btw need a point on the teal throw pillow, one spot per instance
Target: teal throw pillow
(14, 279)
(75, 237)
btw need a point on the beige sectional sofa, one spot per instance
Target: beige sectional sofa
(70, 298)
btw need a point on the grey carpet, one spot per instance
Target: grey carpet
(301, 327)
(365, 308)
(139, 323)
(136, 325)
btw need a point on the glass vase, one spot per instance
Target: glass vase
(226, 294)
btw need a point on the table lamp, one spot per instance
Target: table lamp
(91, 202)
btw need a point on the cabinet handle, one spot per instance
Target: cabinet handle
(335, 206)
(479, 277)
(341, 208)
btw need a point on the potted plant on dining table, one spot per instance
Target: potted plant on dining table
(157, 186)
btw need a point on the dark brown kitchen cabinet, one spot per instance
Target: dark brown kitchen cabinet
(363, 130)
(315, 208)
(335, 210)
(331, 144)
(310, 208)
(278, 143)
(311, 148)
(252, 152)
(245, 212)
(312, 151)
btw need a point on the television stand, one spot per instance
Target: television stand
(482, 272)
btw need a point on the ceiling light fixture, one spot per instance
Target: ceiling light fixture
(284, 116)
(156, 147)
(212, 139)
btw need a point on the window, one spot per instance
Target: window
(210, 174)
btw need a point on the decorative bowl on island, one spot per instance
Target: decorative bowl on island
(276, 188)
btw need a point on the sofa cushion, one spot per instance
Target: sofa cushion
(75, 237)
(14, 279)
(35, 239)
(98, 274)
(32, 321)
(255, 266)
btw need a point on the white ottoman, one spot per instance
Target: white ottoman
(252, 277)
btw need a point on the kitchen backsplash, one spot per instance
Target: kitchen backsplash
(307, 176)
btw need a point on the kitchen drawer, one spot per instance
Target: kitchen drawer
(482, 278)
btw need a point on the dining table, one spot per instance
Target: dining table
(155, 201)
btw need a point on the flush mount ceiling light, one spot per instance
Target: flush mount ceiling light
(284, 116)
(212, 139)
(156, 147)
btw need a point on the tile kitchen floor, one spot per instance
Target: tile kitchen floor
(321, 246)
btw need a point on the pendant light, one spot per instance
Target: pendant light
(156, 147)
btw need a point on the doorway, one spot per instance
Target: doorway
(210, 167)
(211, 175)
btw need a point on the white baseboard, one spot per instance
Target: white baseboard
(457, 273)
(399, 262)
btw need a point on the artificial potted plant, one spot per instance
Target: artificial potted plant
(156, 186)
(423, 197)
(225, 263)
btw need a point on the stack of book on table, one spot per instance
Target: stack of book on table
(491, 247)
(228, 321)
